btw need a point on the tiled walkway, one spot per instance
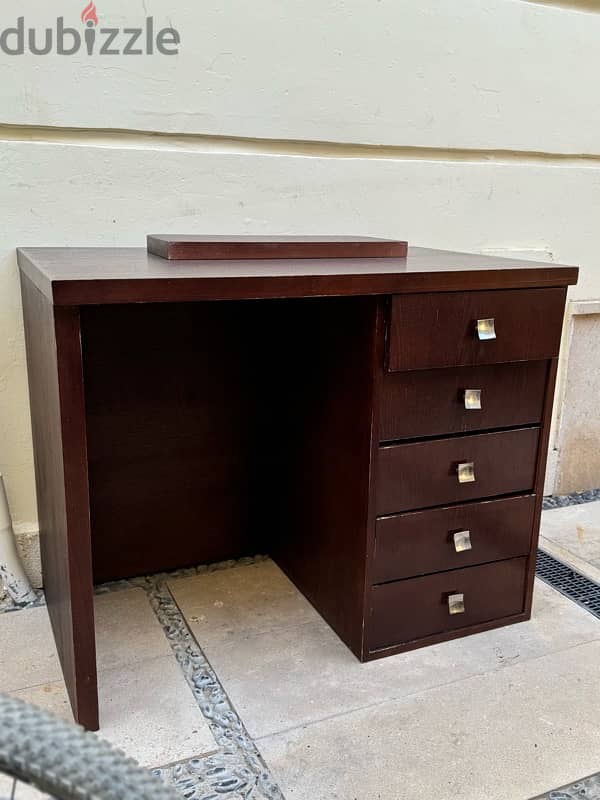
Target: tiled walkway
(269, 703)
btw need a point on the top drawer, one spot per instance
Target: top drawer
(439, 329)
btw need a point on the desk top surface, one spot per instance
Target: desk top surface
(99, 275)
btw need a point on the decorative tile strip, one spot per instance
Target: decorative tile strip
(7, 604)
(237, 771)
(574, 499)
(146, 582)
(585, 788)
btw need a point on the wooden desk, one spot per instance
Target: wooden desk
(315, 412)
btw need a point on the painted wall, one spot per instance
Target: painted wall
(467, 126)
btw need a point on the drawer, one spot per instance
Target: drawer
(422, 542)
(440, 329)
(432, 402)
(419, 607)
(418, 475)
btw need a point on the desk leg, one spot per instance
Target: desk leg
(52, 336)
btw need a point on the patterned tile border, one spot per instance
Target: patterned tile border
(237, 771)
(584, 789)
(7, 604)
(574, 499)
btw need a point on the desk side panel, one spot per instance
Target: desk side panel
(320, 527)
(540, 475)
(58, 426)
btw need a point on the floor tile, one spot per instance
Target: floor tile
(27, 652)
(576, 528)
(146, 709)
(311, 674)
(126, 631)
(225, 605)
(511, 733)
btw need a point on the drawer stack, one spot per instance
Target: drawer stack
(462, 421)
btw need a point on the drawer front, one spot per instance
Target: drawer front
(422, 542)
(418, 475)
(413, 609)
(440, 329)
(432, 402)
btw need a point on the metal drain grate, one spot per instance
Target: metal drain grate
(577, 587)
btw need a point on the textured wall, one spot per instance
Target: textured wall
(465, 126)
(476, 74)
(579, 425)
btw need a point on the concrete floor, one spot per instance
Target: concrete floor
(510, 713)
(144, 700)
(572, 534)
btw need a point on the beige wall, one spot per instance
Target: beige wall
(578, 424)
(467, 126)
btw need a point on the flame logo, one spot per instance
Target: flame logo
(89, 13)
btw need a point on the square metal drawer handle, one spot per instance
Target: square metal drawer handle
(472, 399)
(456, 603)
(486, 328)
(462, 541)
(466, 472)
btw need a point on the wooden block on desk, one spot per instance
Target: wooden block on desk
(180, 247)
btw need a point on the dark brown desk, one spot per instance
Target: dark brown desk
(320, 411)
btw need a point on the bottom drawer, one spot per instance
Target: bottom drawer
(418, 607)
